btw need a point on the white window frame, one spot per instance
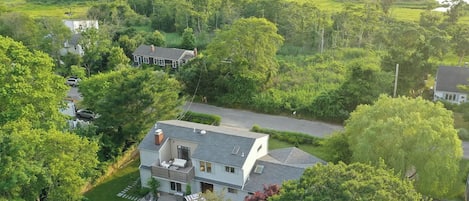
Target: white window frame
(205, 166)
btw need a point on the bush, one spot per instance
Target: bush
(463, 134)
(290, 137)
(208, 119)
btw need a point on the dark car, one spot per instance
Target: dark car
(86, 114)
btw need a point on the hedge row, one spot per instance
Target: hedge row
(202, 118)
(290, 137)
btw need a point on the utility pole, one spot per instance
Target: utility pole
(395, 80)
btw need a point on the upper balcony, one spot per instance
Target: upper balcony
(175, 173)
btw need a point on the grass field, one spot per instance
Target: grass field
(47, 10)
(110, 187)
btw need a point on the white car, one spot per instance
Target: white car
(72, 81)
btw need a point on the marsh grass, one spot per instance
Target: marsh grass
(78, 10)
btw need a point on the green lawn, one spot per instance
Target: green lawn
(110, 187)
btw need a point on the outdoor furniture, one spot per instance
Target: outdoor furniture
(165, 164)
(179, 162)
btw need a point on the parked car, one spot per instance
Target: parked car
(72, 81)
(86, 114)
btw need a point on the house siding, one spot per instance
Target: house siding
(219, 174)
(148, 158)
(254, 155)
(145, 175)
(452, 97)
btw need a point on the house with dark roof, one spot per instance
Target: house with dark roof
(216, 158)
(161, 56)
(448, 78)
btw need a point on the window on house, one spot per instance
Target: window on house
(161, 62)
(183, 152)
(145, 60)
(205, 166)
(260, 147)
(229, 169)
(176, 186)
(232, 190)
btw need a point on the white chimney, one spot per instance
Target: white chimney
(152, 48)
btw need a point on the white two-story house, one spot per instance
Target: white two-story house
(179, 153)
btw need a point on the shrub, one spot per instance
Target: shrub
(290, 137)
(463, 134)
(201, 118)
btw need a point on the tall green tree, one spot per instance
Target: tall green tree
(460, 40)
(117, 57)
(43, 164)
(356, 181)
(156, 39)
(97, 45)
(413, 53)
(414, 137)
(188, 39)
(20, 27)
(54, 33)
(28, 86)
(130, 100)
(243, 57)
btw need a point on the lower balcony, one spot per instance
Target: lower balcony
(175, 173)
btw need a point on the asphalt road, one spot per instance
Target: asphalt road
(246, 119)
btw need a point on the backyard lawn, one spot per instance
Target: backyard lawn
(110, 187)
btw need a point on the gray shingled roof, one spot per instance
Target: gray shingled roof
(292, 156)
(215, 146)
(448, 78)
(75, 39)
(280, 165)
(160, 52)
(273, 173)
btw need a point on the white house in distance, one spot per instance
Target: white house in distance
(77, 26)
(216, 158)
(448, 78)
(161, 56)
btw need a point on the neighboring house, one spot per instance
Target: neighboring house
(73, 46)
(448, 78)
(161, 56)
(77, 26)
(237, 162)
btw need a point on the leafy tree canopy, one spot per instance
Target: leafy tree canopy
(130, 100)
(356, 181)
(40, 164)
(242, 57)
(415, 137)
(28, 87)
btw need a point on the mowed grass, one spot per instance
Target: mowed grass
(47, 10)
(108, 189)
